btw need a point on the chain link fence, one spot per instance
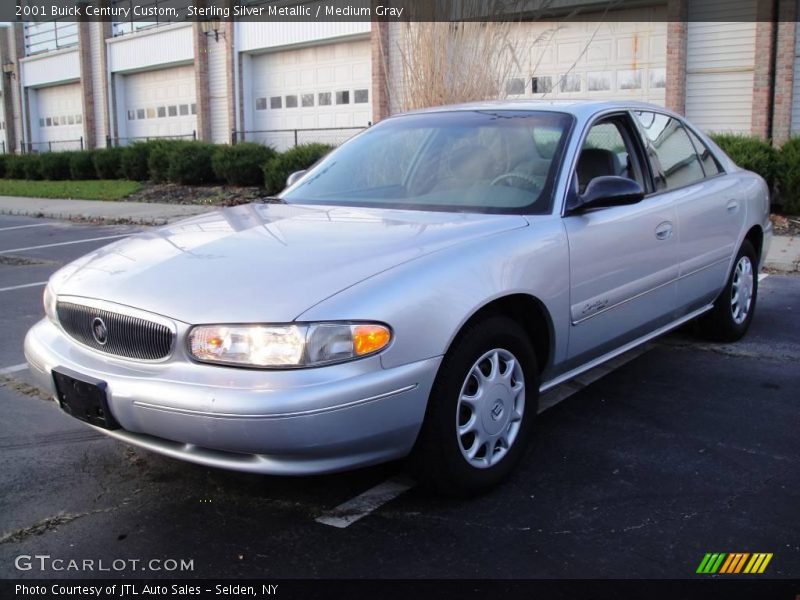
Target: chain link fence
(283, 139)
(51, 146)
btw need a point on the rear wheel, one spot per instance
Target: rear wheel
(733, 310)
(480, 410)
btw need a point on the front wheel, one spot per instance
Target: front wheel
(480, 411)
(733, 310)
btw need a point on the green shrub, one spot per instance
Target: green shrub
(190, 163)
(788, 176)
(241, 164)
(158, 159)
(81, 165)
(32, 166)
(751, 153)
(15, 166)
(298, 158)
(3, 160)
(107, 163)
(55, 165)
(134, 161)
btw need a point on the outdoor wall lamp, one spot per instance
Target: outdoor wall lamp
(9, 68)
(212, 27)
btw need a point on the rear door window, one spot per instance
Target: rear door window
(672, 155)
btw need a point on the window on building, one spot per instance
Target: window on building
(56, 121)
(599, 81)
(324, 98)
(658, 79)
(140, 113)
(151, 113)
(172, 111)
(571, 82)
(515, 86)
(49, 122)
(276, 102)
(291, 101)
(78, 119)
(45, 36)
(131, 115)
(361, 96)
(307, 100)
(675, 162)
(162, 112)
(71, 119)
(183, 109)
(343, 97)
(193, 107)
(261, 104)
(41, 122)
(542, 85)
(629, 79)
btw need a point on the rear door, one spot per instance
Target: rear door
(710, 212)
(623, 259)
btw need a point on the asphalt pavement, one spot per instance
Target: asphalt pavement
(683, 448)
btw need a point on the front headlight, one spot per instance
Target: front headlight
(296, 345)
(49, 302)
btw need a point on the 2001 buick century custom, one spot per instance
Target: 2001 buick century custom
(410, 294)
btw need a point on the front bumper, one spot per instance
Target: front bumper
(293, 422)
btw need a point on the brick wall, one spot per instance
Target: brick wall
(379, 37)
(677, 34)
(784, 71)
(201, 82)
(763, 70)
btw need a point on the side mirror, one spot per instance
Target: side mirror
(608, 190)
(294, 177)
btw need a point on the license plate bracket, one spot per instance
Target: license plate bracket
(84, 398)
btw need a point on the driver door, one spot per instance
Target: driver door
(623, 259)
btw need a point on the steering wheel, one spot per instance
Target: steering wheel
(534, 181)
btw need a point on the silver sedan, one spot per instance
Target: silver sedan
(411, 294)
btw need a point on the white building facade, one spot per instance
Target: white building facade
(92, 84)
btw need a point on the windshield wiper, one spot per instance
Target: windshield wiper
(271, 200)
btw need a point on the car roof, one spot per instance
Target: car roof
(579, 108)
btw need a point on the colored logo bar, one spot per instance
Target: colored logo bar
(734, 563)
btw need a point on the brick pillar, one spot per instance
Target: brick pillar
(379, 38)
(87, 89)
(9, 81)
(230, 82)
(677, 34)
(24, 132)
(763, 72)
(201, 82)
(784, 71)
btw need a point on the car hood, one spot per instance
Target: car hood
(264, 262)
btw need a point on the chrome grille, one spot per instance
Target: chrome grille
(131, 337)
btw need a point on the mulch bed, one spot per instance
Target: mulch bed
(212, 195)
(785, 225)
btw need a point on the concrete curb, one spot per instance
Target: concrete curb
(783, 255)
(82, 218)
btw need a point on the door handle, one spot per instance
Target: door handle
(733, 206)
(664, 231)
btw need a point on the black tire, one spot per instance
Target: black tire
(437, 460)
(720, 324)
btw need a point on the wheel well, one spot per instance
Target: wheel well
(756, 237)
(529, 312)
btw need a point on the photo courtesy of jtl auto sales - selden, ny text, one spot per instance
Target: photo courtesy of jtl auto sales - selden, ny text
(400, 299)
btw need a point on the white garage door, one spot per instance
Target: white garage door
(59, 113)
(160, 103)
(312, 89)
(595, 58)
(720, 63)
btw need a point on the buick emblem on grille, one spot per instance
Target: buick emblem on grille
(99, 331)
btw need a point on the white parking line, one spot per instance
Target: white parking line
(19, 287)
(97, 239)
(14, 369)
(26, 226)
(359, 507)
(762, 276)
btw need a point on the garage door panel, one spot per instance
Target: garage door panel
(161, 102)
(300, 77)
(59, 110)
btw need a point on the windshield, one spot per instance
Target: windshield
(470, 161)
